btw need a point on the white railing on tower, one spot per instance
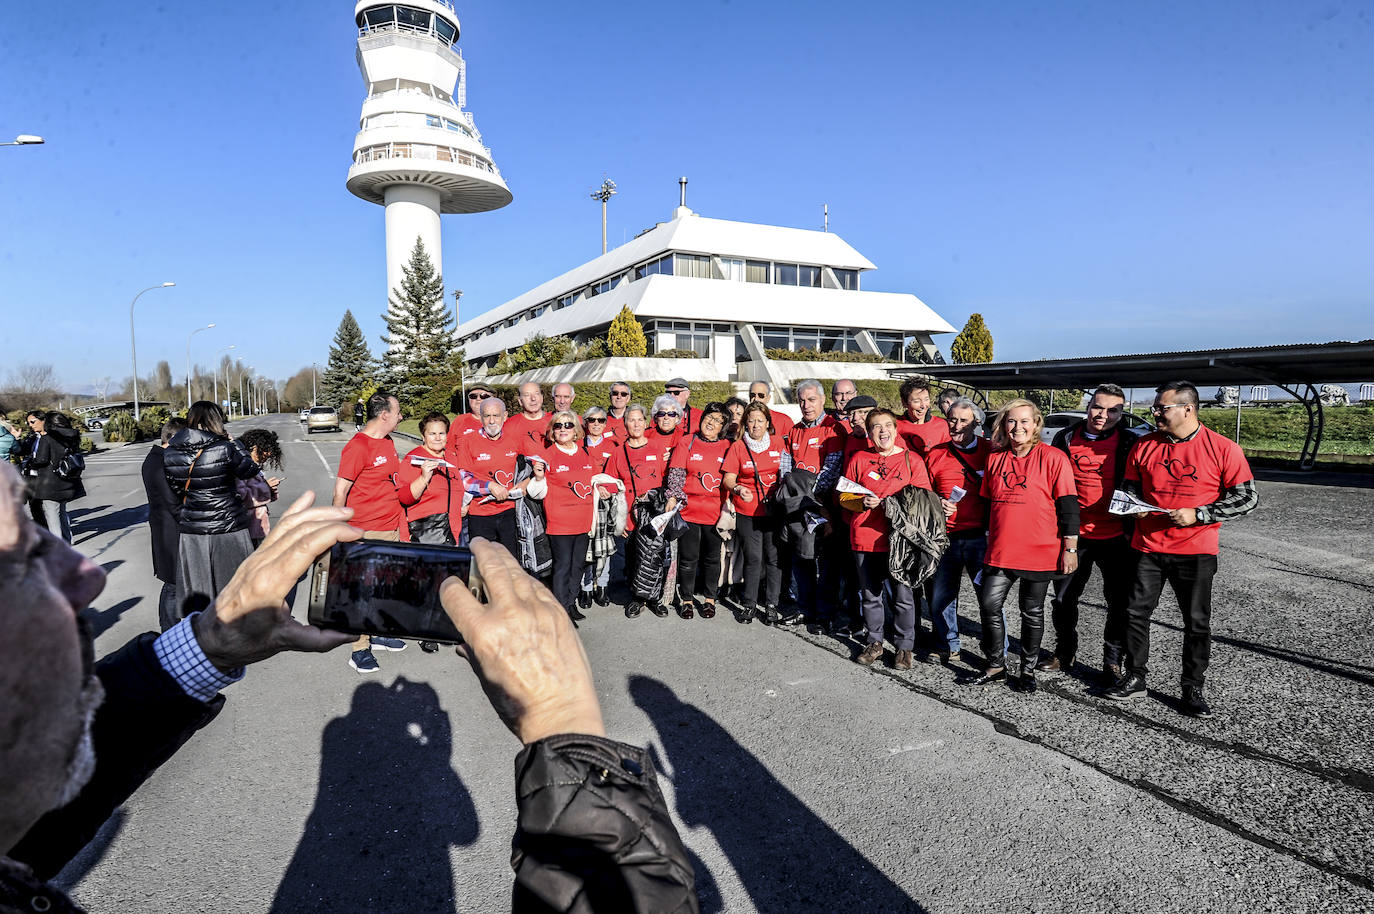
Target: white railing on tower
(420, 151)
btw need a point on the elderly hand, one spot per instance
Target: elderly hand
(948, 506)
(1183, 517)
(872, 501)
(524, 650)
(497, 491)
(249, 620)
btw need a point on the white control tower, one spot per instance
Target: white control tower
(418, 153)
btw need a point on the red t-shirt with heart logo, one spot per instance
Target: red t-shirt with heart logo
(757, 472)
(869, 530)
(1094, 473)
(528, 432)
(1023, 526)
(568, 504)
(810, 446)
(603, 450)
(642, 469)
(490, 460)
(702, 460)
(1183, 474)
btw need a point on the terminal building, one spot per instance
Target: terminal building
(730, 291)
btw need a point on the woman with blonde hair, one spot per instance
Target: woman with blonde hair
(751, 470)
(566, 467)
(1032, 536)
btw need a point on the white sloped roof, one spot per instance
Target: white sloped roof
(690, 234)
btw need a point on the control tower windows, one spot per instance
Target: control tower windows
(407, 19)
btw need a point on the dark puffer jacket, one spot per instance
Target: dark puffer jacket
(52, 447)
(210, 503)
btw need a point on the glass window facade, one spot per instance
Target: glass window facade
(848, 279)
(890, 345)
(809, 276)
(663, 266)
(694, 265)
(785, 274)
(407, 19)
(685, 335)
(757, 271)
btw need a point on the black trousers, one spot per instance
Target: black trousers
(758, 536)
(700, 548)
(1030, 599)
(498, 528)
(168, 609)
(1190, 576)
(1117, 562)
(569, 558)
(839, 583)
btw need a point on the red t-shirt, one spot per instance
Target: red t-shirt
(1184, 474)
(615, 427)
(461, 426)
(782, 423)
(810, 446)
(603, 450)
(528, 432)
(443, 495)
(927, 434)
(690, 422)
(490, 460)
(702, 460)
(883, 476)
(1023, 527)
(948, 471)
(642, 469)
(1094, 473)
(757, 472)
(568, 504)
(669, 440)
(371, 465)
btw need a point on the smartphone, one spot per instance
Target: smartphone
(374, 587)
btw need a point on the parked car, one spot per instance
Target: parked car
(1058, 421)
(305, 414)
(322, 418)
(96, 423)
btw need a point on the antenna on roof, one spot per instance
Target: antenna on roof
(682, 209)
(825, 210)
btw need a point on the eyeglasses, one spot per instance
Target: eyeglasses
(1161, 410)
(674, 390)
(478, 396)
(620, 393)
(754, 396)
(563, 425)
(595, 419)
(664, 415)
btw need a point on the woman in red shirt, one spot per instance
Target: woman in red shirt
(1032, 536)
(751, 469)
(694, 474)
(566, 469)
(884, 468)
(667, 426)
(642, 465)
(428, 488)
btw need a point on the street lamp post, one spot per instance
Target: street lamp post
(133, 349)
(188, 362)
(315, 385)
(216, 370)
(241, 390)
(25, 139)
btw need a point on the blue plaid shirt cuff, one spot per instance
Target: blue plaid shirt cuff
(180, 655)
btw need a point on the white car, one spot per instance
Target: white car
(1057, 422)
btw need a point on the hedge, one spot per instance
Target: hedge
(811, 355)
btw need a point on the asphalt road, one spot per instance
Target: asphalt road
(799, 780)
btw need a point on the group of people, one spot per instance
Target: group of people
(856, 519)
(45, 455)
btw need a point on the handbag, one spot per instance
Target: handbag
(434, 529)
(70, 466)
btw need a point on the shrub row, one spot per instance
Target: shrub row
(812, 355)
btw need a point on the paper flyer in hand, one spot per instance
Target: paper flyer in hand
(419, 461)
(850, 487)
(956, 495)
(1124, 502)
(661, 521)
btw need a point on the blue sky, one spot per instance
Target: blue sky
(1094, 178)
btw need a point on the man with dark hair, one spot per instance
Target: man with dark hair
(946, 399)
(465, 422)
(1097, 447)
(368, 473)
(1197, 479)
(615, 413)
(164, 534)
(919, 426)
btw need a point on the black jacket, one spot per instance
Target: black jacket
(1124, 441)
(47, 485)
(209, 502)
(593, 832)
(162, 516)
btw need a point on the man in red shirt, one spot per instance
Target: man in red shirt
(1098, 447)
(468, 422)
(529, 426)
(368, 471)
(681, 391)
(760, 392)
(615, 413)
(814, 444)
(563, 396)
(487, 462)
(920, 427)
(959, 464)
(1198, 479)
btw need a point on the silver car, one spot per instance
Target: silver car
(322, 418)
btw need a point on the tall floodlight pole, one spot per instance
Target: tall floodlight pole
(133, 348)
(25, 139)
(457, 322)
(604, 193)
(188, 361)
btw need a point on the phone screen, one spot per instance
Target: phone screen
(373, 587)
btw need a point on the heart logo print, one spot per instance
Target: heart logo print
(1180, 470)
(1013, 480)
(1085, 464)
(709, 481)
(808, 467)
(503, 478)
(581, 489)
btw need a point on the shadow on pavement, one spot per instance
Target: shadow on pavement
(388, 810)
(1316, 477)
(1329, 665)
(101, 620)
(93, 526)
(74, 513)
(786, 856)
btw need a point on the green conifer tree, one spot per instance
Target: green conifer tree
(419, 329)
(626, 336)
(351, 366)
(973, 344)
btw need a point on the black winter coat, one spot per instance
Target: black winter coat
(162, 516)
(47, 485)
(206, 491)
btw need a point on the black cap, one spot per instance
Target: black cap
(677, 382)
(862, 401)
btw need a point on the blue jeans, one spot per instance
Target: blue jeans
(965, 555)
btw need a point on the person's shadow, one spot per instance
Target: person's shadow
(786, 856)
(388, 810)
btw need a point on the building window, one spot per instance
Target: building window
(889, 345)
(809, 276)
(663, 265)
(785, 274)
(412, 18)
(697, 266)
(447, 33)
(733, 269)
(848, 279)
(756, 271)
(433, 121)
(776, 338)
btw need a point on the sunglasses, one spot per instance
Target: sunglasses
(563, 425)
(674, 390)
(664, 415)
(620, 393)
(758, 396)
(595, 419)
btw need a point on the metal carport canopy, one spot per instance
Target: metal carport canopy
(1299, 369)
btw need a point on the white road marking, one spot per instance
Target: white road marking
(129, 493)
(327, 468)
(929, 744)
